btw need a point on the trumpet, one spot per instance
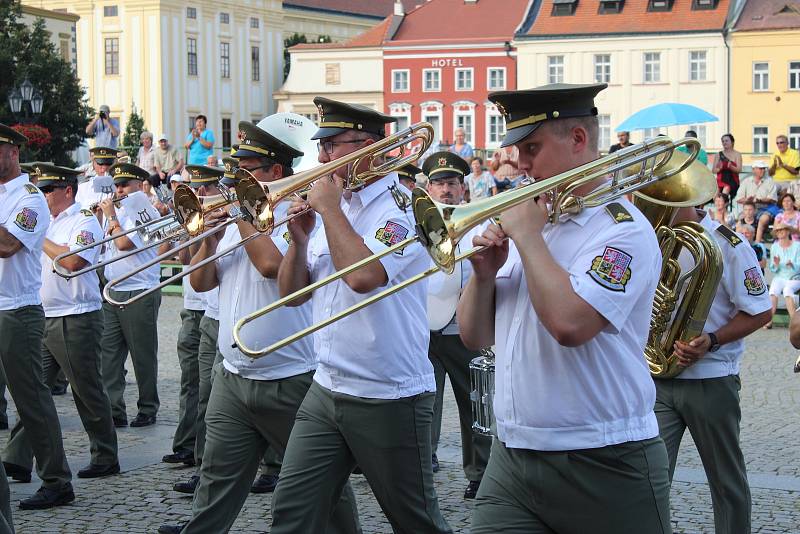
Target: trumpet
(94, 205)
(441, 226)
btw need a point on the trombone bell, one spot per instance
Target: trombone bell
(190, 209)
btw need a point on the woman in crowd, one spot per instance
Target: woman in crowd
(479, 182)
(720, 211)
(789, 215)
(727, 167)
(785, 265)
(504, 167)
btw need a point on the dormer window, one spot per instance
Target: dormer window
(610, 6)
(563, 8)
(704, 4)
(659, 5)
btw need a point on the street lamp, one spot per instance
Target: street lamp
(15, 101)
(26, 93)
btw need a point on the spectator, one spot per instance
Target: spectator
(200, 142)
(145, 159)
(104, 128)
(504, 167)
(727, 167)
(761, 191)
(749, 232)
(148, 188)
(624, 139)
(461, 147)
(480, 182)
(701, 155)
(785, 264)
(211, 161)
(785, 164)
(167, 159)
(720, 212)
(789, 215)
(748, 214)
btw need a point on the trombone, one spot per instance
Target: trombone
(257, 201)
(440, 226)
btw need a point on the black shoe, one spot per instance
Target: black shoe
(97, 471)
(796, 370)
(58, 390)
(48, 498)
(143, 420)
(180, 457)
(187, 487)
(120, 422)
(357, 471)
(435, 463)
(172, 529)
(472, 489)
(3, 425)
(264, 484)
(17, 472)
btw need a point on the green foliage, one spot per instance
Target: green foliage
(133, 131)
(28, 53)
(297, 38)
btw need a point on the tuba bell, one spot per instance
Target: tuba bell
(683, 298)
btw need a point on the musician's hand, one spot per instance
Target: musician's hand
(530, 216)
(790, 265)
(300, 227)
(689, 353)
(326, 194)
(776, 260)
(486, 263)
(107, 207)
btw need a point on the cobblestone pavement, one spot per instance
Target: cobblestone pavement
(141, 498)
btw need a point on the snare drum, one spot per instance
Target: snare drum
(481, 375)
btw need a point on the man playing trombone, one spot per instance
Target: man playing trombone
(371, 402)
(568, 307)
(102, 160)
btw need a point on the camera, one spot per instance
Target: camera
(102, 114)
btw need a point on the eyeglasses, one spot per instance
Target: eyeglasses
(780, 142)
(49, 189)
(328, 146)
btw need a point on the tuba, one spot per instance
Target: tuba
(683, 299)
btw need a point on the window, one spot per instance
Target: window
(761, 139)
(464, 79)
(497, 129)
(650, 133)
(112, 55)
(313, 116)
(564, 7)
(191, 122)
(110, 11)
(400, 81)
(224, 18)
(794, 75)
(652, 67)
(64, 47)
(794, 137)
(255, 64)
(496, 78)
(191, 12)
(659, 5)
(602, 68)
(225, 60)
(333, 73)
(254, 22)
(701, 131)
(555, 69)
(604, 132)
(465, 121)
(697, 66)
(401, 124)
(704, 4)
(610, 6)
(226, 132)
(431, 80)
(463, 117)
(761, 76)
(191, 55)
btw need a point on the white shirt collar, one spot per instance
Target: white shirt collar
(16, 183)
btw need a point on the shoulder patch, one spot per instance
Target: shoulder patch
(729, 235)
(754, 282)
(618, 212)
(84, 238)
(391, 234)
(87, 213)
(612, 269)
(32, 189)
(287, 237)
(26, 220)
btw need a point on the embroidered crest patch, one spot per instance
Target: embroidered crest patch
(26, 219)
(754, 282)
(391, 234)
(85, 238)
(612, 269)
(87, 213)
(287, 236)
(32, 189)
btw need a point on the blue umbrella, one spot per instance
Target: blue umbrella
(667, 114)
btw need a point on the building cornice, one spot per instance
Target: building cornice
(288, 8)
(622, 35)
(47, 14)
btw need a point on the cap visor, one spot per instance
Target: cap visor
(104, 161)
(45, 183)
(322, 133)
(228, 182)
(518, 134)
(242, 152)
(441, 175)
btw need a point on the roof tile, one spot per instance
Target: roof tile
(370, 8)
(769, 15)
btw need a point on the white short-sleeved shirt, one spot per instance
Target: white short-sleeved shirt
(243, 290)
(551, 397)
(192, 300)
(742, 288)
(211, 301)
(86, 195)
(382, 351)
(75, 228)
(130, 218)
(25, 215)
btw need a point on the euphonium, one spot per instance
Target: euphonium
(683, 299)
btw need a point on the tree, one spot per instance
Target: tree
(29, 53)
(297, 38)
(131, 139)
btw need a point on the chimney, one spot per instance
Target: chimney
(398, 8)
(470, 1)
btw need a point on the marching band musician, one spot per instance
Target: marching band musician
(577, 446)
(73, 320)
(445, 171)
(371, 402)
(24, 219)
(102, 160)
(134, 328)
(253, 403)
(705, 397)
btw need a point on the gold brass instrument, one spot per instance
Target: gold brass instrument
(440, 226)
(192, 210)
(683, 299)
(94, 205)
